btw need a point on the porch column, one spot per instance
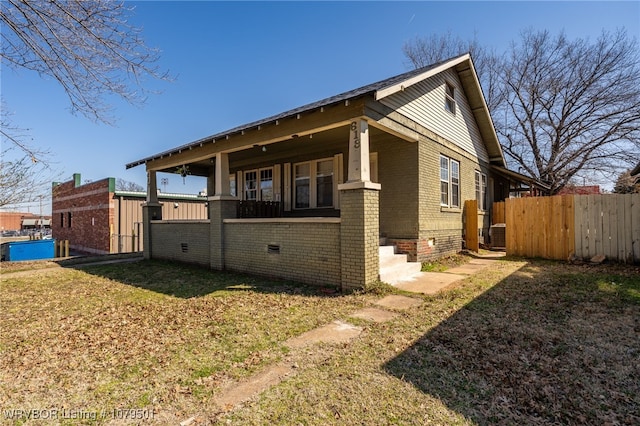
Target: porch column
(151, 210)
(359, 214)
(221, 206)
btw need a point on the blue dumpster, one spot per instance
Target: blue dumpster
(27, 250)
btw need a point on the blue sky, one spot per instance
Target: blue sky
(242, 61)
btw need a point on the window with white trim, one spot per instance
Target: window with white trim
(258, 184)
(266, 184)
(450, 98)
(313, 184)
(449, 182)
(481, 190)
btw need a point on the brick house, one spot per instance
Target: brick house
(96, 218)
(308, 194)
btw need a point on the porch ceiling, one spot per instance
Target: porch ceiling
(331, 140)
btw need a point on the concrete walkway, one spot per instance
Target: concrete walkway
(433, 282)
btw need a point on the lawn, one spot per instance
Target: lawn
(522, 342)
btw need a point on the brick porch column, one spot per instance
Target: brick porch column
(151, 210)
(359, 214)
(222, 205)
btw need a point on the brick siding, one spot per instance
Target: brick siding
(181, 241)
(302, 251)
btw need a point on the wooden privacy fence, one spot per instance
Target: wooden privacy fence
(497, 213)
(585, 225)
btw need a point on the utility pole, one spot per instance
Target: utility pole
(41, 218)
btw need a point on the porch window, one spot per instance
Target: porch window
(251, 185)
(449, 182)
(313, 184)
(266, 184)
(258, 185)
(324, 183)
(481, 190)
(303, 177)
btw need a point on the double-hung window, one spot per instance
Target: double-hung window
(449, 182)
(481, 190)
(266, 184)
(313, 184)
(450, 98)
(258, 184)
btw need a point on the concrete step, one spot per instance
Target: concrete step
(388, 257)
(386, 251)
(394, 267)
(396, 259)
(399, 273)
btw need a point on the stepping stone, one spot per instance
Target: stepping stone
(237, 393)
(394, 301)
(374, 314)
(335, 332)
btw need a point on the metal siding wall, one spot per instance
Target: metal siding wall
(185, 210)
(130, 213)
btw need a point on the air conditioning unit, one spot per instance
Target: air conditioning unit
(498, 234)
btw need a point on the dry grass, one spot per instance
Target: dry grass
(146, 335)
(445, 263)
(520, 343)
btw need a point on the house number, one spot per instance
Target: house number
(356, 139)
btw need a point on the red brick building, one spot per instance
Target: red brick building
(15, 221)
(96, 218)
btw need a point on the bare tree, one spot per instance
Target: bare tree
(90, 49)
(572, 107)
(565, 109)
(125, 185)
(21, 180)
(87, 46)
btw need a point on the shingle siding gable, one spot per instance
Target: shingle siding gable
(424, 103)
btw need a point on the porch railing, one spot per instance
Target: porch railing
(259, 209)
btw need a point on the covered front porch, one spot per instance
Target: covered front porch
(293, 197)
